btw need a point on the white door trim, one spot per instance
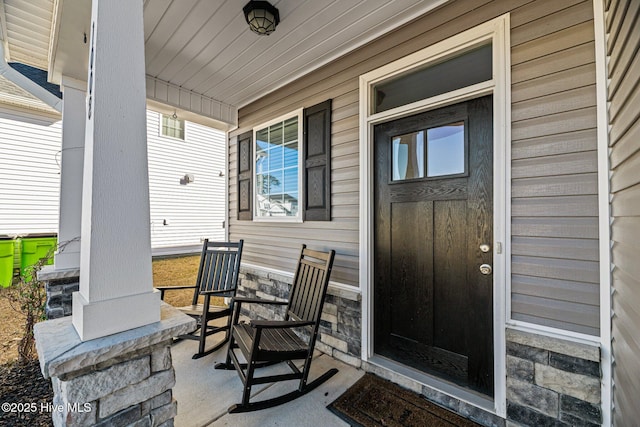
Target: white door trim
(496, 30)
(604, 212)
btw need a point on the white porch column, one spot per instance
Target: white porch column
(72, 158)
(116, 290)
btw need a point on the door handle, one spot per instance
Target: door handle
(486, 269)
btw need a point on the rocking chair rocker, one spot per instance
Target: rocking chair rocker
(266, 342)
(217, 276)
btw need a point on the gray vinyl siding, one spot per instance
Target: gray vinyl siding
(554, 161)
(277, 244)
(555, 270)
(622, 23)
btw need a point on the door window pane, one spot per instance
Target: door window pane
(434, 152)
(469, 68)
(408, 156)
(445, 150)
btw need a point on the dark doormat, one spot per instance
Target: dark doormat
(373, 401)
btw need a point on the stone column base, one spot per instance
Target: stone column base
(60, 284)
(121, 379)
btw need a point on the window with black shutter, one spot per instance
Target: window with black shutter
(245, 176)
(317, 162)
(284, 168)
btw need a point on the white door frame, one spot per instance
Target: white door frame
(496, 30)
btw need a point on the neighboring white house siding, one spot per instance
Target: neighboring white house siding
(29, 174)
(29, 181)
(195, 210)
(622, 24)
(554, 197)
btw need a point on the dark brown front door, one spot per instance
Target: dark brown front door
(433, 307)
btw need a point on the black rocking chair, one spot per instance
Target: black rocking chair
(217, 276)
(266, 342)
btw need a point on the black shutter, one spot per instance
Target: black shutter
(317, 162)
(245, 176)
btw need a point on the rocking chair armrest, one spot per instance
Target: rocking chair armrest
(237, 305)
(272, 324)
(241, 300)
(215, 292)
(169, 288)
(163, 289)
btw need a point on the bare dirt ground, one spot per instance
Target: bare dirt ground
(10, 325)
(166, 272)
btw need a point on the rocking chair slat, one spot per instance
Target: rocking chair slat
(262, 342)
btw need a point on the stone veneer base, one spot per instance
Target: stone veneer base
(552, 382)
(122, 379)
(59, 286)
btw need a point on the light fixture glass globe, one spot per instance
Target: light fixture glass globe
(262, 17)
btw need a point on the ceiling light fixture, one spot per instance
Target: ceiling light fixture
(262, 17)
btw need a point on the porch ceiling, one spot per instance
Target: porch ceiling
(204, 47)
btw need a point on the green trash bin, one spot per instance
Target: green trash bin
(35, 248)
(7, 246)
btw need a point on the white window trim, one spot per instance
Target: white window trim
(496, 30)
(301, 195)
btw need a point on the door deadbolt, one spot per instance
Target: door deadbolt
(485, 248)
(485, 269)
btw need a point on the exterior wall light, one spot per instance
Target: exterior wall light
(186, 179)
(262, 17)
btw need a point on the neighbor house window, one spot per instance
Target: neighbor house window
(278, 169)
(172, 127)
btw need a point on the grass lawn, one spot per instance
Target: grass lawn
(176, 272)
(166, 272)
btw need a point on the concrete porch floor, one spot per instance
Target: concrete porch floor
(204, 394)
